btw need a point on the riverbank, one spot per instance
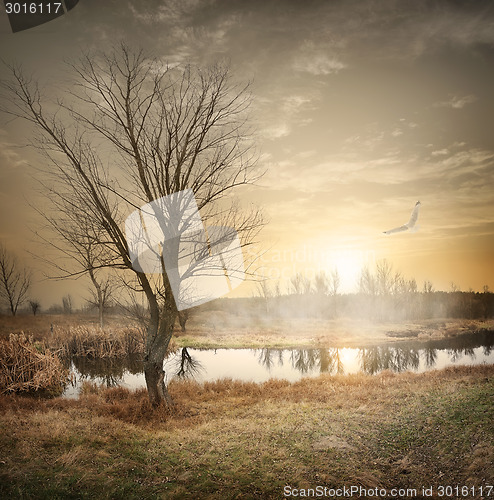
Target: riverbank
(243, 440)
(341, 332)
(215, 330)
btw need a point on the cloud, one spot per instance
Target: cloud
(371, 137)
(278, 116)
(440, 152)
(457, 102)
(318, 64)
(9, 158)
(275, 131)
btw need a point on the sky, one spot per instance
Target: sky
(359, 109)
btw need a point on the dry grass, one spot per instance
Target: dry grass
(242, 440)
(196, 402)
(40, 326)
(26, 366)
(93, 342)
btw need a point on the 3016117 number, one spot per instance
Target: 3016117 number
(465, 491)
(33, 8)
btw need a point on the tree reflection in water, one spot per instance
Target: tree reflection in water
(430, 357)
(303, 360)
(397, 358)
(377, 358)
(266, 356)
(109, 370)
(187, 366)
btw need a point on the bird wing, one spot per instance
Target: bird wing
(397, 229)
(414, 216)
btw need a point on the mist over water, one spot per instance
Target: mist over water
(260, 365)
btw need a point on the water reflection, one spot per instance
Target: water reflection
(397, 359)
(258, 365)
(187, 366)
(109, 372)
(371, 360)
(303, 361)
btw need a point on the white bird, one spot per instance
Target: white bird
(410, 224)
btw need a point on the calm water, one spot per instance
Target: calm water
(259, 365)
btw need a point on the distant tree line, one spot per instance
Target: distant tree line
(383, 294)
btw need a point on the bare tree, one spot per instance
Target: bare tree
(367, 282)
(301, 284)
(334, 283)
(15, 281)
(67, 304)
(34, 305)
(384, 277)
(321, 283)
(183, 317)
(296, 283)
(77, 239)
(130, 130)
(101, 294)
(265, 293)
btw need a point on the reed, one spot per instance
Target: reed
(94, 342)
(28, 366)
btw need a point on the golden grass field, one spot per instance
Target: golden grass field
(242, 440)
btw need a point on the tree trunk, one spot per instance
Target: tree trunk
(99, 294)
(159, 334)
(100, 308)
(183, 316)
(155, 375)
(155, 382)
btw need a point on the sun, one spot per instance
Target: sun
(349, 264)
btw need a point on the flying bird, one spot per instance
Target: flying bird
(410, 224)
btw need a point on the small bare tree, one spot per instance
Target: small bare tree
(15, 281)
(321, 283)
(265, 293)
(384, 277)
(296, 284)
(367, 282)
(67, 304)
(183, 317)
(77, 239)
(335, 282)
(34, 305)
